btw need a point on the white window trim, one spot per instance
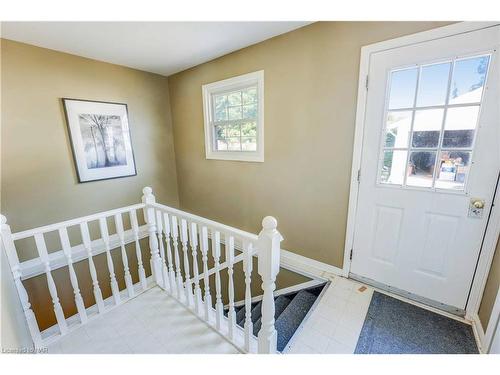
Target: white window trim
(227, 85)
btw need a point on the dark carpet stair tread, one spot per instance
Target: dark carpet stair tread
(240, 316)
(255, 314)
(293, 315)
(280, 303)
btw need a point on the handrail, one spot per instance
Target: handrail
(210, 223)
(176, 238)
(67, 223)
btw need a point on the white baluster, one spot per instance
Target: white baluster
(66, 245)
(84, 230)
(188, 286)
(193, 239)
(204, 253)
(178, 277)
(230, 264)
(8, 244)
(103, 225)
(44, 257)
(138, 253)
(149, 215)
(121, 235)
(171, 273)
(219, 307)
(268, 268)
(247, 267)
(164, 270)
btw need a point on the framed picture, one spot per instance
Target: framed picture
(100, 139)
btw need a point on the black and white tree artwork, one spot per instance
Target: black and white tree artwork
(103, 140)
(100, 139)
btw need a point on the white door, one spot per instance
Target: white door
(431, 148)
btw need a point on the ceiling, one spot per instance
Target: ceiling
(159, 47)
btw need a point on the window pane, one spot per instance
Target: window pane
(397, 129)
(234, 98)
(220, 132)
(234, 144)
(250, 95)
(249, 129)
(468, 80)
(433, 84)
(460, 126)
(220, 107)
(453, 169)
(427, 127)
(221, 144)
(403, 85)
(421, 168)
(234, 113)
(250, 111)
(233, 130)
(248, 143)
(393, 167)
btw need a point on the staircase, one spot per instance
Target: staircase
(290, 310)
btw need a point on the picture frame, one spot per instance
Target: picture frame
(100, 139)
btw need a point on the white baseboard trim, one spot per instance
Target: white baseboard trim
(299, 263)
(307, 266)
(479, 334)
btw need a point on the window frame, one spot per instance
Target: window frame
(227, 85)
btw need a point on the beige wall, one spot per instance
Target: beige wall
(491, 289)
(39, 182)
(311, 78)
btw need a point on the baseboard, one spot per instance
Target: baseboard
(478, 330)
(307, 266)
(300, 264)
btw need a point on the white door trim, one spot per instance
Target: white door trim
(488, 248)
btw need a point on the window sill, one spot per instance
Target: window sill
(235, 156)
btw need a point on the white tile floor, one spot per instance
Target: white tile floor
(150, 323)
(335, 324)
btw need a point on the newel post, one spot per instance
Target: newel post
(268, 268)
(10, 250)
(150, 218)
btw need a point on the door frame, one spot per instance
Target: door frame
(493, 227)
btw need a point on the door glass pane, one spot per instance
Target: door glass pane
(403, 85)
(460, 126)
(421, 168)
(427, 127)
(433, 84)
(397, 129)
(468, 80)
(393, 167)
(453, 169)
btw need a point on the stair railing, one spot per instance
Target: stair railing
(185, 253)
(47, 262)
(176, 235)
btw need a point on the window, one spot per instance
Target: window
(430, 123)
(234, 118)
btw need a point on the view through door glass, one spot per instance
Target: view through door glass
(431, 119)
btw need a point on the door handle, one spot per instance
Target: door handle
(476, 207)
(478, 203)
